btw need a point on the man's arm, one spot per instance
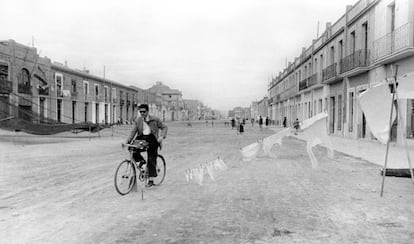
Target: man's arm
(164, 129)
(133, 132)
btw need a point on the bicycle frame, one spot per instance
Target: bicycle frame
(142, 173)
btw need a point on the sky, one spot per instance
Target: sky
(221, 52)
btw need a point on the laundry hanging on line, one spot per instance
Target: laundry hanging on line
(197, 174)
(314, 132)
(375, 103)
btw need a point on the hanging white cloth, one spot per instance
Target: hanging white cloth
(405, 89)
(376, 105)
(314, 131)
(250, 151)
(270, 141)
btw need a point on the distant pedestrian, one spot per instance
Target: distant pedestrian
(284, 122)
(267, 121)
(260, 122)
(240, 127)
(296, 125)
(212, 123)
(233, 123)
(252, 122)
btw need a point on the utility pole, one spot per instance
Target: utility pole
(110, 103)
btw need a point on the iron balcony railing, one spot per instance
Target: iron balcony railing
(6, 86)
(24, 89)
(400, 38)
(303, 84)
(312, 80)
(44, 91)
(270, 101)
(357, 59)
(59, 93)
(329, 72)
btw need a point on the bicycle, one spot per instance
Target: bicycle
(125, 174)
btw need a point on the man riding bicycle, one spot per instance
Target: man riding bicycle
(147, 127)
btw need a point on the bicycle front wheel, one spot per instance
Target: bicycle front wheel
(125, 177)
(161, 170)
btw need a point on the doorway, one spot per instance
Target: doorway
(332, 115)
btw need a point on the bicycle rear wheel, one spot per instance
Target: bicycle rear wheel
(125, 177)
(161, 170)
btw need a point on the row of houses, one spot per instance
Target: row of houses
(56, 91)
(363, 47)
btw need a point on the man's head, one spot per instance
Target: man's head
(143, 109)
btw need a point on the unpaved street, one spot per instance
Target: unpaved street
(59, 189)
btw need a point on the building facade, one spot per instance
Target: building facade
(55, 91)
(360, 49)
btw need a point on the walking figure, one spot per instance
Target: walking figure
(260, 122)
(296, 125)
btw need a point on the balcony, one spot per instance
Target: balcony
(74, 94)
(395, 45)
(59, 93)
(312, 80)
(44, 91)
(114, 100)
(6, 87)
(329, 73)
(24, 89)
(88, 97)
(128, 103)
(303, 84)
(357, 60)
(121, 102)
(270, 101)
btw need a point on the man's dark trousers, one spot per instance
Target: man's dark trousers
(152, 153)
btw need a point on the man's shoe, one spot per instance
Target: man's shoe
(150, 183)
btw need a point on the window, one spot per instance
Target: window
(321, 60)
(352, 42)
(365, 35)
(59, 84)
(74, 89)
(351, 111)
(24, 77)
(96, 91)
(339, 124)
(391, 17)
(332, 61)
(106, 93)
(86, 88)
(4, 71)
(341, 50)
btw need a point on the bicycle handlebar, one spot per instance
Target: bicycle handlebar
(137, 146)
(130, 145)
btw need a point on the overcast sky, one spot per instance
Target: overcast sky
(222, 52)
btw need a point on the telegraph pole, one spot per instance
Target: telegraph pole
(110, 103)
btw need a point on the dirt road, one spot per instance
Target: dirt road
(59, 189)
